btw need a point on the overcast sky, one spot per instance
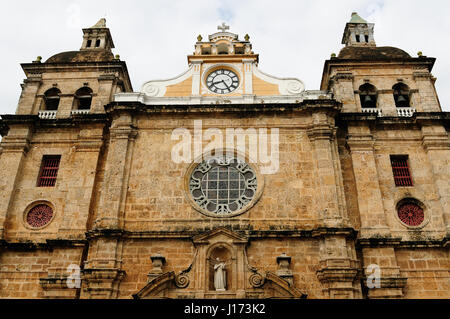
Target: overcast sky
(293, 38)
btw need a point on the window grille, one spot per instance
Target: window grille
(49, 170)
(400, 169)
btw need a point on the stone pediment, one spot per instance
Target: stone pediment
(220, 234)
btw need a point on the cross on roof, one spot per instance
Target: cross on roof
(223, 27)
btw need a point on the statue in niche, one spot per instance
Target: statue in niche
(220, 275)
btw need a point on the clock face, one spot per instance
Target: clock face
(222, 81)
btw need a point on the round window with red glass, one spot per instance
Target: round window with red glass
(411, 214)
(39, 216)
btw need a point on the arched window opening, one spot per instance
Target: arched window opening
(89, 43)
(220, 269)
(83, 99)
(368, 96)
(401, 95)
(239, 50)
(51, 98)
(206, 50)
(97, 43)
(222, 48)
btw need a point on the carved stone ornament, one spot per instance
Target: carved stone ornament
(158, 262)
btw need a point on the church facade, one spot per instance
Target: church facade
(225, 181)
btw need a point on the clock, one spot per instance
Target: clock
(222, 81)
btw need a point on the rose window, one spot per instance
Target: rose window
(411, 214)
(223, 185)
(39, 216)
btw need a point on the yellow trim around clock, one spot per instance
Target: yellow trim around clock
(221, 67)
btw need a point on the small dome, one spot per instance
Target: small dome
(372, 53)
(82, 56)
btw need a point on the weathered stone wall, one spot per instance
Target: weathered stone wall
(427, 270)
(152, 205)
(21, 271)
(137, 264)
(72, 193)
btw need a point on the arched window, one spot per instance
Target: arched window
(51, 99)
(222, 48)
(401, 95)
(368, 96)
(83, 99)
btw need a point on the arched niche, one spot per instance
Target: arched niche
(220, 252)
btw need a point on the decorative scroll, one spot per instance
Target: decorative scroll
(257, 280)
(181, 280)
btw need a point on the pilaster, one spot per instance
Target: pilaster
(338, 267)
(117, 169)
(383, 278)
(14, 149)
(106, 85)
(342, 86)
(27, 98)
(196, 80)
(102, 271)
(248, 76)
(427, 93)
(370, 202)
(436, 143)
(332, 207)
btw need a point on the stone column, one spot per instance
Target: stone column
(370, 201)
(14, 149)
(106, 89)
(102, 271)
(386, 102)
(248, 76)
(338, 267)
(436, 143)
(27, 98)
(331, 201)
(196, 77)
(344, 91)
(426, 91)
(381, 275)
(65, 105)
(115, 183)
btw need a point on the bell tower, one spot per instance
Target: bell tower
(97, 37)
(358, 33)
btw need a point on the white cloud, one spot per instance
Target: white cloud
(293, 38)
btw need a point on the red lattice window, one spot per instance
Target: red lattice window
(49, 170)
(39, 216)
(411, 214)
(400, 169)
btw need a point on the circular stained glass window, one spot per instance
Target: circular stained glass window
(223, 185)
(411, 214)
(39, 216)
